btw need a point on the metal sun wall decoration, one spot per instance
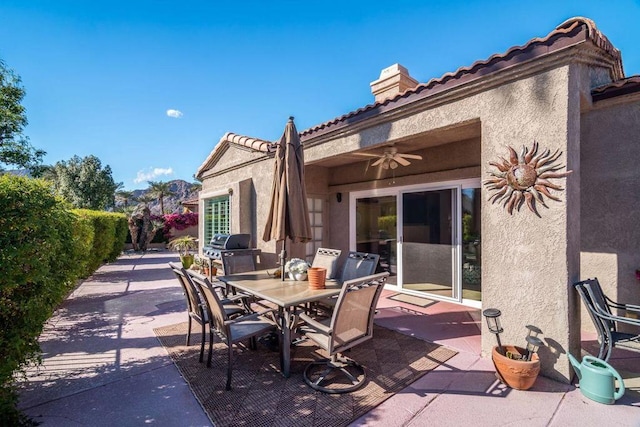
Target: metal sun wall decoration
(524, 178)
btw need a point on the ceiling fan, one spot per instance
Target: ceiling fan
(391, 159)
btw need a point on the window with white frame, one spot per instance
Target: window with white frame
(315, 219)
(216, 217)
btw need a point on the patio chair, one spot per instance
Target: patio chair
(351, 324)
(231, 331)
(601, 309)
(195, 304)
(357, 264)
(238, 262)
(327, 258)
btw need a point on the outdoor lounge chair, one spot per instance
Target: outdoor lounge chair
(195, 304)
(601, 309)
(350, 324)
(232, 331)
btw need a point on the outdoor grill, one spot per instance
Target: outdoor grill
(222, 242)
(226, 242)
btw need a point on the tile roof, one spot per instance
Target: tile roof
(254, 144)
(249, 142)
(618, 88)
(571, 32)
(192, 201)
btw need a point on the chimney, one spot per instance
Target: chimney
(393, 80)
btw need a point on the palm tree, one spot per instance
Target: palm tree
(160, 190)
(125, 196)
(195, 186)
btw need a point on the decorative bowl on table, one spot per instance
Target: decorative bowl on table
(297, 269)
(298, 276)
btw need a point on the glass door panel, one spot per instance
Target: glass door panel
(428, 245)
(471, 256)
(376, 230)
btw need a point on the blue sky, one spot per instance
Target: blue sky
(101, 75)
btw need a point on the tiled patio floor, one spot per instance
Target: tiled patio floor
(104, 366)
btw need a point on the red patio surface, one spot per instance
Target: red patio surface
(104, 366)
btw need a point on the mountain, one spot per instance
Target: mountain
(182, 190)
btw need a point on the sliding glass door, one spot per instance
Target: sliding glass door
(428, 238)
(376, 230)
(428, 246)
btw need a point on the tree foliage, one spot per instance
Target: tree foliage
(15, 148)
(160, 190)
(125, 197)
(84, 183)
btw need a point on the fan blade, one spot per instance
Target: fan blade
(411, 156)
(402, 161)
(366, 154)
(377, 162)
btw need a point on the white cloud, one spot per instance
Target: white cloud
(151, 173)
(176, 114)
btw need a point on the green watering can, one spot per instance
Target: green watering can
(597, 379)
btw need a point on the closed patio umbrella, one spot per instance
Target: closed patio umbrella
(288, 213)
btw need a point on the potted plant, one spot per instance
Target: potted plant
(184, 245)
(297, 269)
(514, 369)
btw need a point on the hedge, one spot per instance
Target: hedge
(44, 248)
(110, 230)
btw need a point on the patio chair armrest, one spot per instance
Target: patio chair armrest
(315, 324)
(252, 316)
(631, 307)
(622, 306)
(621, 319)
(237, 297)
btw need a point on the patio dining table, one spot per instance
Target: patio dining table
(287, 295)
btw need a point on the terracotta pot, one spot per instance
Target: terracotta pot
(317, 277)
(517, 374)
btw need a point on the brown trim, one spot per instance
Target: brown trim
(619, 88)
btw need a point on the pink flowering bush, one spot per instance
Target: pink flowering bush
(178, 221)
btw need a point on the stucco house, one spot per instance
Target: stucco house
(527, 182)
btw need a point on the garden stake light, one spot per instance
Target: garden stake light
(533, 344)
(493, 322)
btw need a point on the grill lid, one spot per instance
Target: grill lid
(230, 241)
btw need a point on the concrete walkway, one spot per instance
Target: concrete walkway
(103, 365)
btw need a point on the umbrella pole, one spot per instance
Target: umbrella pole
(283, 257)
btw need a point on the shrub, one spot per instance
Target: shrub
(109, 235)
(121, 233)
(38, 266)
(44, 249)
(179, 222)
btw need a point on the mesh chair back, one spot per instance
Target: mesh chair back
(352, 320)
(604, 327)
(194, 301)
(358, 264)
(238, 262)
(215, 309)
(599, 302)
(327, 258)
